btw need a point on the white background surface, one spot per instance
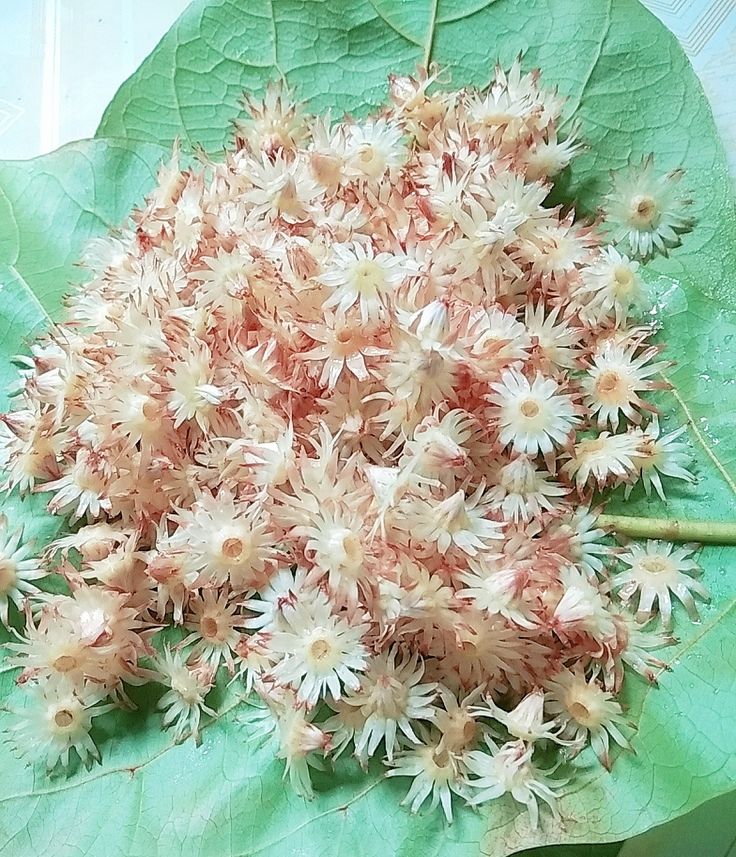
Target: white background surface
(61, 61)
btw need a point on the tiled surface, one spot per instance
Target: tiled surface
(62, 60)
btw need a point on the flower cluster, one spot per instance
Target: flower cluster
(339, 406)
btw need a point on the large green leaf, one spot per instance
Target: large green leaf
(634, 92)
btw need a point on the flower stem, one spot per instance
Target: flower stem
(706, 532)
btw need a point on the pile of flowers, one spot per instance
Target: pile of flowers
(340, 405)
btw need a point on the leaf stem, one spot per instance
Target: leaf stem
(706, 532)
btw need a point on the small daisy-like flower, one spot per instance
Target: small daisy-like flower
(603, 459)
(581, 607)
(614, 380)
(334, 544)
(344, 344)
(526, 720)
(656, 572)
(663, 455)
(17, 569)
(611, 286)
(81, 489)
(273, 124)
(458, 521)
(226, 541)
(214, 624)
(193, 395)
(301, 742)
(496, 587)
(284, 588)
(524, 491)
(183, 704)
(532, 417)
(509, 770)
(588, 711)
(390, 697)
(643, 212)
(56, 721)
(437, 774)
(321, 651)
(372, 148)
(360, 276)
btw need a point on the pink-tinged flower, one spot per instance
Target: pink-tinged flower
(524, 491)
(436, 774)
(391, 696)
(460, 521)
(227, 541)
(321, 651)
(643, 212)
(359, 275)
(17, 569)
(509, 770)
(213, 623)
(660, 455)
(275, 123)
(616, 377)
(602, 460)
(589, 712)
(532, 417)
(56, 721)
(656, 572)
(345, 345)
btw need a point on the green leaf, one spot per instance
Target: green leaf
(709, 830)
(631, 87)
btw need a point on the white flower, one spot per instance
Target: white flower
(610, 286)
(56, 721)
(214, 628)
(390, 697)
(436, 772)
(532, 417)
(656, 572)
(193, 395)
(284, 587)
(281, 188)
(459, 520)
(183, 704)
(438, 444)
(526, 720)
(299, 739)
(497, 587)
(602, 459)
(372, 148)
(581, 607)
(555, 340)
(358, 275)
(321, 651)
(643, 212)
(17, 569)
(615, 379)
(226, 541)
(510, 770)
(80, 490)
(657, 455)
(523, 491)
(587, 710)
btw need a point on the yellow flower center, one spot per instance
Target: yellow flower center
(63, 718)
(529, 408)
(8, 575)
